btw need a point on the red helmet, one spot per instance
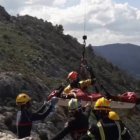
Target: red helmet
(72, 75)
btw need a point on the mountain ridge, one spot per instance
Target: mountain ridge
(125, 56)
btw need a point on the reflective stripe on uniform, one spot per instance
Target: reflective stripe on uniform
(92, 119)
(90, 135)
(119, 129)
(25, 124)
(124, 131)
(101, 130)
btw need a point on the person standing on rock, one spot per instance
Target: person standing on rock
(25, 116)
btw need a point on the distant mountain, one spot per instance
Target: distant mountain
(125, 56)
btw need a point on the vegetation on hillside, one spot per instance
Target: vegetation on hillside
(35, 47)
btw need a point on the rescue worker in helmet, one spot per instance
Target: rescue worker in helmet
(25, 116)
(74, 81)
(105, 124)
(77, 123)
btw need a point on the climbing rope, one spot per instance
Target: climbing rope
(83, 63)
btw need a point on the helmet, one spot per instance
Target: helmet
(102, 104)
(72, 75)
(22, 99)
(113, 116)
(74, 104)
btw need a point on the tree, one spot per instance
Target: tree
(59, 28)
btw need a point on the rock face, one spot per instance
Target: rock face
(7, 136)
(3, 14)
(10, 136)
(13, 83)
(131, 119)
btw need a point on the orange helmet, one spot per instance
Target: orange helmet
(102, 104)
(72, 75)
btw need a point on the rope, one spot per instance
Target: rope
(84, 16)
(83, 63)
(84, 36)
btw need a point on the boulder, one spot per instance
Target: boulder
(13, 83)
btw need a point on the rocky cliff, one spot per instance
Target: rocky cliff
(4, 15)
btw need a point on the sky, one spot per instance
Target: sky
(103, 21)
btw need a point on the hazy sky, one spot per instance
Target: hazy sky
(107, 21)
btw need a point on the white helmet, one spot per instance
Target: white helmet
(74, 104)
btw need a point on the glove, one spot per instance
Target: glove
(54, 101)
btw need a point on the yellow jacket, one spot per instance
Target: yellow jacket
(82, 84)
